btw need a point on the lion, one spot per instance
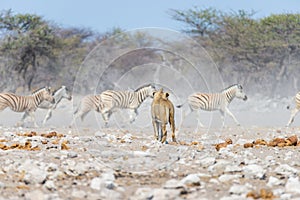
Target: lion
(162, 112)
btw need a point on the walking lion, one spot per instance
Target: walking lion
(162, 112)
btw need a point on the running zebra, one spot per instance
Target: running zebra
(110, 100)
(295, 110)
(216, 101)
(87, 103)
(58, 95)
(27, 104)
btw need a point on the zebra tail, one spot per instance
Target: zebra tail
(289, 105)
(77, 109)
(180, 105)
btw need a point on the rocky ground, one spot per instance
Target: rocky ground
(89, 162)
(129, 164)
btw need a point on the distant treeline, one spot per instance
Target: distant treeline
(36, 52)
(263, 54)
(260, 53)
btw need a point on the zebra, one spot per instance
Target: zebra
(58, 95)
(112, 100)
(109, 101)
(87, 103)
(216, 101)
(295, 110)
(27, 104)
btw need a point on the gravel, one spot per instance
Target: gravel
(114, 164)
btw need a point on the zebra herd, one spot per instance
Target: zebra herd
(109, 101)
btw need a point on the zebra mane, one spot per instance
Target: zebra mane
(54, 91)
(143, 86)
(231, 86)
(35, 91)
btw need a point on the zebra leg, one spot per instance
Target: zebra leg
(80, 114)
(182, 119)
(133, 115)
(32, 116)
(73, 121)
(48, 116)
(232, 116)
(21, 122)
(77, 115)
(222, 118)
(83, 115)
(184, 114)
(198, 119)
(106, 116)
(293, 114)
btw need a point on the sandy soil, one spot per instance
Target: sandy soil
(87, 161)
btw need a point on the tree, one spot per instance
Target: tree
(199, 21)
(27, 40)
(260, 49)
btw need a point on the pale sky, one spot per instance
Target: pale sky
(102, 16)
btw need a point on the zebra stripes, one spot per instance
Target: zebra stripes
(216, 101)
(58, 95)
(110, 100)
(27, 104)
(87, 103)
(295, 111)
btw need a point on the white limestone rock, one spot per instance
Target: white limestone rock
(293, 185)
(254, 171)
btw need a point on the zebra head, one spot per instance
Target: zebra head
(63, 92)
(151, 90)
(45, 94)
(148, 90)
(239, 93)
